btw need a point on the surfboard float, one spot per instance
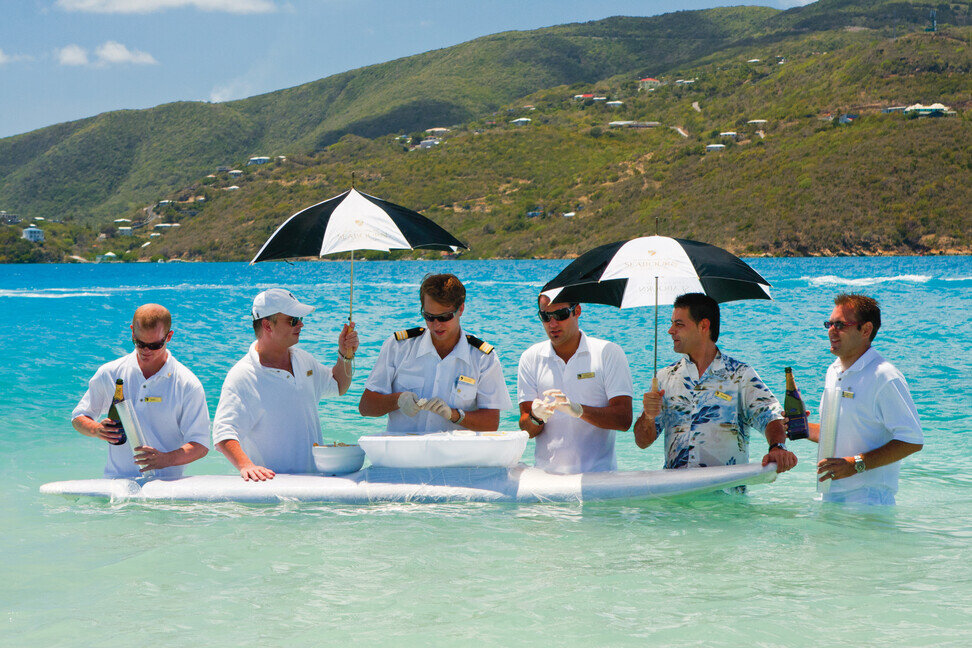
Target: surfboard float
(427, 485)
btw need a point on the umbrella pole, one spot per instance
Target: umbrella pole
(654, 375)
(351, 298)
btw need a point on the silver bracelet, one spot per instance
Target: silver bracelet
(462, 415)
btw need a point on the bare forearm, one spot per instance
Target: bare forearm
(232, 450)
(186, 454)
(484, 420)
(85, 425)
(342, 372)
(889, 453)
(375, 404)
(644, 431)
(813, 430)
(610, 417)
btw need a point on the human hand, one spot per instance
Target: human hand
(784, 459)
(108, 430)
(348, 341)
(836, 468)
(562, 404)
(256, 473)
(148, 458)
(542, 409)
(652, 403)
(438, 406)
(408, 404)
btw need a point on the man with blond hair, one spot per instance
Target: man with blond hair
(166, 397)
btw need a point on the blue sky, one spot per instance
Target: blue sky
(66, 59)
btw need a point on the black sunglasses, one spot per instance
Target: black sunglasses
(444, 317)
(560, 314)
(294, 321)
(151, 346)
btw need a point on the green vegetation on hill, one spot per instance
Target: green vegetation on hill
(797, 185)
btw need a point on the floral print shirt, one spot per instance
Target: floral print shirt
(707, 419)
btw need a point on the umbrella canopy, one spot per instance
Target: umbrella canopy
(624, 274)
(653, 270)
(354, 221)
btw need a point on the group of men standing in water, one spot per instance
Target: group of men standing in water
(574, 393)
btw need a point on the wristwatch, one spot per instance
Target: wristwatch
(859, 463)
(776, 445)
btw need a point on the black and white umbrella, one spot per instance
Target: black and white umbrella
(354, 221)
(653, 270)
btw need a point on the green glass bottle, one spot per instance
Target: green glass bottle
(113, 412)
(796, 412)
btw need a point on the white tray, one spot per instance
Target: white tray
(459, 448)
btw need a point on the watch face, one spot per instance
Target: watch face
(859, 464)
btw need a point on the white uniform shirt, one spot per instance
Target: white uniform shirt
(273, 413)
(466, 379)
(596, 373)
(875, 407)
(170, 407)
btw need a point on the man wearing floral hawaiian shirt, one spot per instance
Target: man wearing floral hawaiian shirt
(707, 401)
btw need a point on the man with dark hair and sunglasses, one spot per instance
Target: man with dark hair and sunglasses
(707, 401)
(574, 393)
(437, 378)
(877, 422)
(166, 397)
(267, 420)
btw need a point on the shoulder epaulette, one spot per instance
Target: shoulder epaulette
(475, 342)
(408, 334)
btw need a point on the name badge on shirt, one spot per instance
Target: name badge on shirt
(582, 376)
(152, 399)
(310, 372)
(725, 397)
(467, 380)
(847, 394)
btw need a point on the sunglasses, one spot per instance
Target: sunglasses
(444, 317)
(560, 314)
(151, 346)
(294, 321)
(838, 325)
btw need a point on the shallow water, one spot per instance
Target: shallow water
(772, 568)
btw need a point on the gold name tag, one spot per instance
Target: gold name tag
(847, 394)
(310, 372)
(467, 380)
(725, 397)
(152, 399)
(582, 376)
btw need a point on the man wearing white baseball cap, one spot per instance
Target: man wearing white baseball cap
(267, 421)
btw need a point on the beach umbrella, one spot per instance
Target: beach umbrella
(653, 270)
(354, 221)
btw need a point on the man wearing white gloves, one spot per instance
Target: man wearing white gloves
(574, 392)
(437, 378)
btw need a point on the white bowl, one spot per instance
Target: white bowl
(338, 460)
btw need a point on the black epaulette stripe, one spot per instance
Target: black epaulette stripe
(475, 342)
(408, 334)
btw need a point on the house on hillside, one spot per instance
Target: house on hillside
(261, 159)
(615, 104)
(757, 122)
(222, 169)
(235, 173)
(730, 134)
(846, 118)
(33, 234)
(934, 110)
(714, 148)
(648, 83)
(125, 231)
(582, 97)
(522, 121)
(107, 257)
(429, 142)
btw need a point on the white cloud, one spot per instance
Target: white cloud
(108, 53)
(11, 58)
(235, 89)
(72, 55)
(112, 53)
(152, 6)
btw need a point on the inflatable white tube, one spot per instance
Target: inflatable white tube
(373, 485)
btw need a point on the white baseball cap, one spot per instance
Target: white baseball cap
(278, 300)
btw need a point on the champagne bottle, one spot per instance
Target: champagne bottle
(113, 412)
(794, 409)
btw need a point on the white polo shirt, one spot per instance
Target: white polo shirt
(272, 412)
(170, 406)
(596, 373)
(466, 379)
(875, 408)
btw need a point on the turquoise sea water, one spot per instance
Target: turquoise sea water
(772, 568)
